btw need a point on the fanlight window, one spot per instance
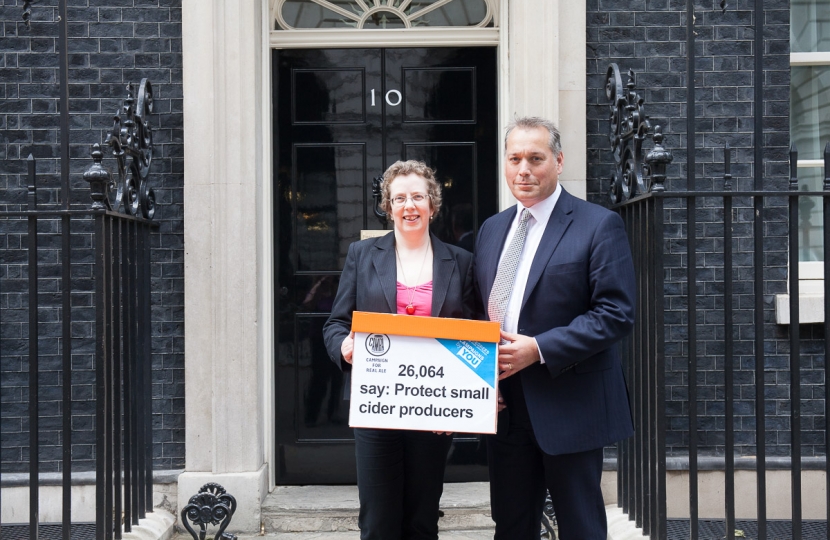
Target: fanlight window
(382, 14)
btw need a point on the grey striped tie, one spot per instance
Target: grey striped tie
(506, 274)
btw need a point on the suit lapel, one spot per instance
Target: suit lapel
(443, 266)
(383, 259)
(560, 220)
(490, 248)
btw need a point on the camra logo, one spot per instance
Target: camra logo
(378, 344)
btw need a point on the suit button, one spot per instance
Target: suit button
(521, 330)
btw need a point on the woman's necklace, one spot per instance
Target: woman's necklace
(410, 308)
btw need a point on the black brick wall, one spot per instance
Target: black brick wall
(111, 43)
(649, 36)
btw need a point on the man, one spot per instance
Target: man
(557, 272)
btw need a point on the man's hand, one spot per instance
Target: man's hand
(347, 348)
(515, 355)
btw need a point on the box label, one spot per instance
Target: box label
(423, 383)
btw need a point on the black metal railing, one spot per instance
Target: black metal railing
(119, 256)
(709, 264)
(642, 459)
(77, 279)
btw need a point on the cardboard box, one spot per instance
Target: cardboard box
(424, 373)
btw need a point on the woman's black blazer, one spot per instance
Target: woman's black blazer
(369, 283)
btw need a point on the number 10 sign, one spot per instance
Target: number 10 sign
(424, 373)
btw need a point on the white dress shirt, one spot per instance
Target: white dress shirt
(540, 214)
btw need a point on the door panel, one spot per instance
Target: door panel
(329, 96)
(439, 95)
(456, 164)
(450, 108)
(342, 116)
(329, 214)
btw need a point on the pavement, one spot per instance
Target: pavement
(330, 513)
(351, 535)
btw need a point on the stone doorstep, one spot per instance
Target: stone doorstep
(158, 525)
(334, 508)
(312, 511)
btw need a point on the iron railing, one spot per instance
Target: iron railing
(103, 257)
(638, 194)
(642, 462)
(668, 231)
(120, 261)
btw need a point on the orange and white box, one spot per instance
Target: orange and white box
(424, 373)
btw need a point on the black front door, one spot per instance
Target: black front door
(343, 116)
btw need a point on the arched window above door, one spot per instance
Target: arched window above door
(383, 14)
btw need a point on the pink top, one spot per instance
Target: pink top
(421, 297)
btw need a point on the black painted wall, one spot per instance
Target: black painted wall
(111, 43)
(649, 36)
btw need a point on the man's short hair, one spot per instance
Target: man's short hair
(533, 122)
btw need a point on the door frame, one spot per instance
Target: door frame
(348, 38)
(288, 418)
(228, 196)
(529, 28)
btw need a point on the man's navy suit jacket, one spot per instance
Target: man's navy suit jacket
(578, 304)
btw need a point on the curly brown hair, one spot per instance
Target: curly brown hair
(403, 168)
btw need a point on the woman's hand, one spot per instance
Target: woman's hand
(347, 348)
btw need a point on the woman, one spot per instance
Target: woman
(400, 473)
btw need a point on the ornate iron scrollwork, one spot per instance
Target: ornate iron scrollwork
(212, 505)
(131, 141)
(377, 196)
(548, 531)
(629, 128)
(27, 12)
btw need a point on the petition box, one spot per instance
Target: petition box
(424, 373)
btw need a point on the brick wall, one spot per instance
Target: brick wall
(111, 43)
(649, 36)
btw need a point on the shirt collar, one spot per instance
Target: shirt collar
(542, 210)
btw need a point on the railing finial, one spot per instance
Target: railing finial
(727, 167)
(99, 179)
(32, 186)
(656, 161)
(827, 167)
(793, 168)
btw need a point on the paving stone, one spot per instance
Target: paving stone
(317, 509)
